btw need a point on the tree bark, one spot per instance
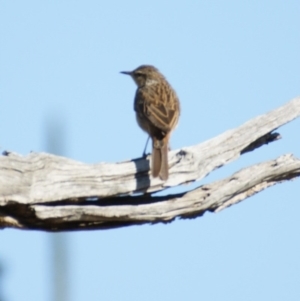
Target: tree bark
(52, 193)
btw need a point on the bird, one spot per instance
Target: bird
(157, 110)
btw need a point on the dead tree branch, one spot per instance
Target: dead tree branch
(52, 193)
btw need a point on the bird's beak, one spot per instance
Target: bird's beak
(126, 72)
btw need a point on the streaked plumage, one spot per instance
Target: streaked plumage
(157, 112)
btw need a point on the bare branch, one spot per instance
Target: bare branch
(120, 212)
(43, 191)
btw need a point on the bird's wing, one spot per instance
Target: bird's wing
(162, 114)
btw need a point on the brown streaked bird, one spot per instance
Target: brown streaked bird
(157, 111)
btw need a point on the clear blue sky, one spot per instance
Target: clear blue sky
(229, 61)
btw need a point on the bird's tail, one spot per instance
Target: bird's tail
(160, 159)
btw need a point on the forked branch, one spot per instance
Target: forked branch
(52, 193)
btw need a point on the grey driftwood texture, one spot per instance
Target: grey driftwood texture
(52, 193)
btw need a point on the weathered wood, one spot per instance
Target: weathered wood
(43, 191)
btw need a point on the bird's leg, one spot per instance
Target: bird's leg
(144, 152)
